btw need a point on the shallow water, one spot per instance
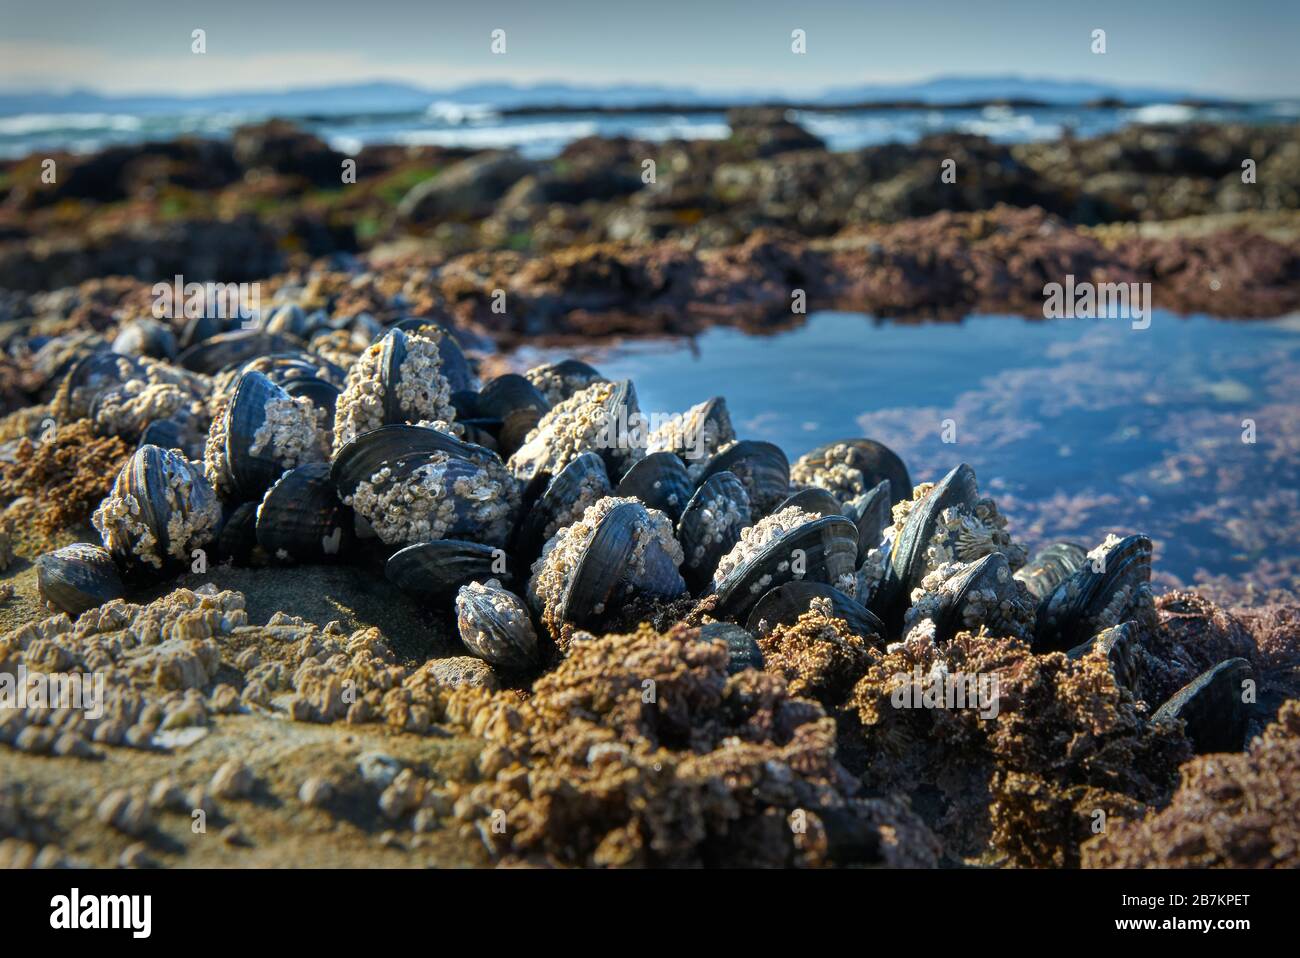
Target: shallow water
(542, 136)
(1077, 427)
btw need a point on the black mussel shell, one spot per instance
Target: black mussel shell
(453, 364)
(871, 513)
(1075, 609)
(1121, 644)
(660, 481)
(90, 377)
(761, 466)
(210, 356)
(392, 355)
(78, 577)
(496, 626)
(875, 461)
(147, 477)
(146, 337)
(516, 404)
(433, 572)
(703, 541)
(574, 374)
(990, 572)
(302, 520)
(250, 474)
(784, 605)
(237, 540)
(608, 573)
(819, 502)
(170, 434)
(742, 647)
(394, 445)
(697, 433)
(582, 480)
(907, 557)
(481, 432)
(198, 329)
(1214, 707)
(323, 395)
(1051, 566)
(829, 548)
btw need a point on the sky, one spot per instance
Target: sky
(1246, 48)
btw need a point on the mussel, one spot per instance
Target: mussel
(1121, 644)
(943, 523)
(560, 381)
(1113, 586)
(434, 571)
(223, 350)
(1051, 566)
(784, 604)
(742, 649)
(495, 625)
(77, 577)
(260, 433)
(618, 551)
(562, 500)
(711, 525)
(301, 518)
(965, 596)
(784, 546)
(161, 508)
(146, 337)
(660, 481)
(848, 468)
(413, 484)
(871, 513)
(516, 404)
(760, 466)
(695, 435)
(456, 368)
(1214, 707)
(398, 379)
(603, 418)
(816, 501)
(90, 376)
(237, 540)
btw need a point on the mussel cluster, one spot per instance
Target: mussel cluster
(528, 506)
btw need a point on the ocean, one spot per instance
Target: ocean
(543, 135)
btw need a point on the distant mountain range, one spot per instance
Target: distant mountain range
(384, 97)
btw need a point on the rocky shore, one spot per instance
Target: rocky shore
(727, 226)
(314, 707)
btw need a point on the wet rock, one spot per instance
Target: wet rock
(282, 147)
(467, 189)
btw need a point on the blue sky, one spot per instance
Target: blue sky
(1246, 48)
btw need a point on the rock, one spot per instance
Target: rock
(125, 812)
(232, 780)
(315, 791)
(768, 131)
(282, 147)
(466, 190)
(461, 670)
(376, 768)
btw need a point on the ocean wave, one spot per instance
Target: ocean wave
(1164, 113)
(25, 124)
